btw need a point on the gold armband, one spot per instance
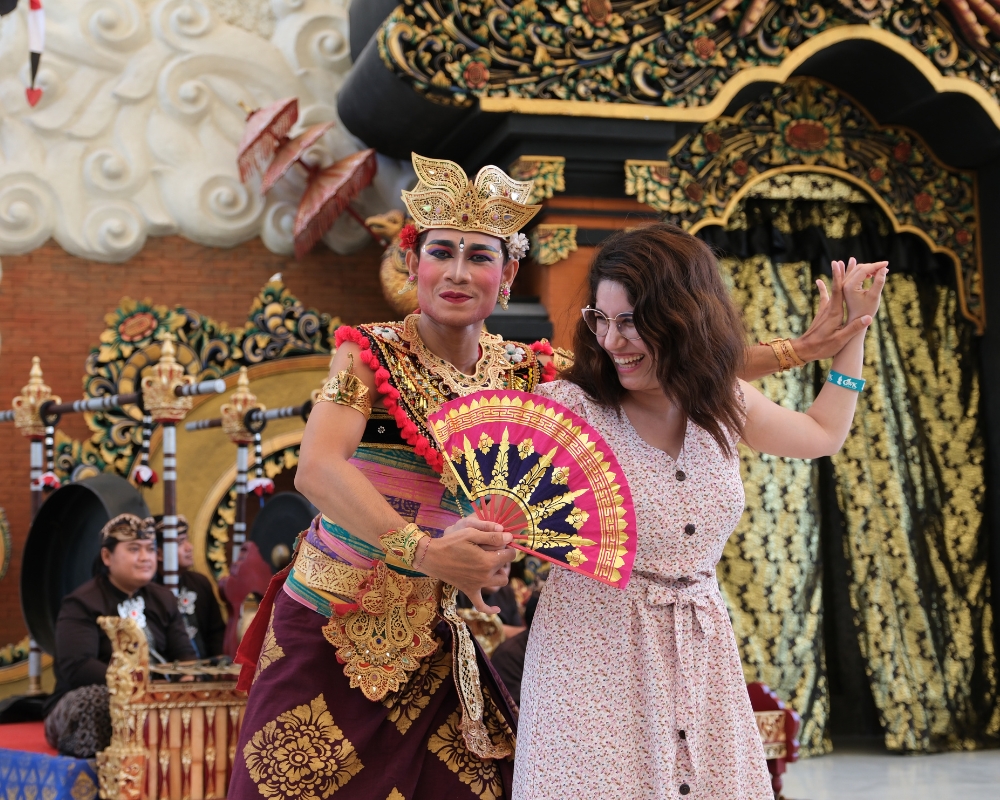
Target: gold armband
(785, 353)
(347, 389)
(401, 545)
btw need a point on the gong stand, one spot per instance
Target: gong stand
(243, 420)
(36, 413)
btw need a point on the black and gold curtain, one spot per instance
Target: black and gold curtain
(893, 523)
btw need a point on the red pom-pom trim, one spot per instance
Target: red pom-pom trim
(549, 372)
(408, 429)
(408, 237)
(542, 347)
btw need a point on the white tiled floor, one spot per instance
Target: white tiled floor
(864, 775)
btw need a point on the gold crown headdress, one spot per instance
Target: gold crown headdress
(444, 197)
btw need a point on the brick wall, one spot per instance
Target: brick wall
(53, 305)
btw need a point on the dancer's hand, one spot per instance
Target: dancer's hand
(470, 555)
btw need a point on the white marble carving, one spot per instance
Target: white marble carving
(136, 132)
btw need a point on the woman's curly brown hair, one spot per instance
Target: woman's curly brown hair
(684, 314)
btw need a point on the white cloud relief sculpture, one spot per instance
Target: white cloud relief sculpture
(136, 133)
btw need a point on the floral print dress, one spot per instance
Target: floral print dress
(639, 694)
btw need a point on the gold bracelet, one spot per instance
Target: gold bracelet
(785, 353)
(401, 544)
(786, 345)
(347, 389)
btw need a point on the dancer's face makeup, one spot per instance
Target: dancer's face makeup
(459, 275)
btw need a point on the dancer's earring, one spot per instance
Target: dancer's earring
(411, 283)
(504, 297)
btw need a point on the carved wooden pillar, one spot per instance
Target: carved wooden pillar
(234, 424)
(161, 402)
(28, 420)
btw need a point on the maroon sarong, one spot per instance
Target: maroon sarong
(308, 734)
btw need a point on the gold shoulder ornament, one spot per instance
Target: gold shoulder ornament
(347, 389)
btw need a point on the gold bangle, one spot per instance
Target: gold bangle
(785, 353)
(401, 544)
(347, 389)
(786, 345)
(779, 353)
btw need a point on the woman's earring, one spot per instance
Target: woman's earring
(504, 298)
(411, 283)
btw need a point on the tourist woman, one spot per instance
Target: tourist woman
(638, 693)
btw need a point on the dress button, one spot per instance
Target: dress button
(685, 788)
(689, 529)
(681, 735)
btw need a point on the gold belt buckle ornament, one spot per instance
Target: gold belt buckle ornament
(382, 642)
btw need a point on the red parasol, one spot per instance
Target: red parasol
(266, 129)
(329, 194)
(290, 151)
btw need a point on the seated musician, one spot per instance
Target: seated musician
(198, 606)
(79, 723)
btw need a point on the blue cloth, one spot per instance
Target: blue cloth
(34, 776)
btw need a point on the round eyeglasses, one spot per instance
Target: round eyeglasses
(599, 322)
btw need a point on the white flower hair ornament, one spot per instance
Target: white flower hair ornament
(517, 246)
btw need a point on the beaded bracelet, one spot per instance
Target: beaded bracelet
(845, 382)
(402, 543)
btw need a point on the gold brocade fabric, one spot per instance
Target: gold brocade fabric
(910, 488)
(770, 572)
(910, 483)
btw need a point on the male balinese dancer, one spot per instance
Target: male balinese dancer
(366, 682)
(363, 679)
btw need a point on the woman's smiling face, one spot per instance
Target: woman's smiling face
(632, 359)
(459, 275)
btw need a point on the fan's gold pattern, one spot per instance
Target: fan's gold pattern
(481, 776)
(910, 481)
(565, 433)
(770, 571)
(444, 197)
(407, 704)
(302, 753)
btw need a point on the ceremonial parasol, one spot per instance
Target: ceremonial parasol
(290, 151)
(546, 475)
(267, 128)
(329, 194)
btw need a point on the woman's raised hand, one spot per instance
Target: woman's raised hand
(863, 303)
(470, 555)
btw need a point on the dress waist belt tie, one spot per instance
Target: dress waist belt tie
(693, 604)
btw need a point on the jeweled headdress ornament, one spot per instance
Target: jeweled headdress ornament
(494, 203)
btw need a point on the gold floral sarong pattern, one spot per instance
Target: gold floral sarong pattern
(271, 650)
(405, 706)
(480, 775)
(302, 753)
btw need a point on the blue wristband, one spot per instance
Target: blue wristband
(844, 382)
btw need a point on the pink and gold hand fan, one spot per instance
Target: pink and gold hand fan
(546, 475)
